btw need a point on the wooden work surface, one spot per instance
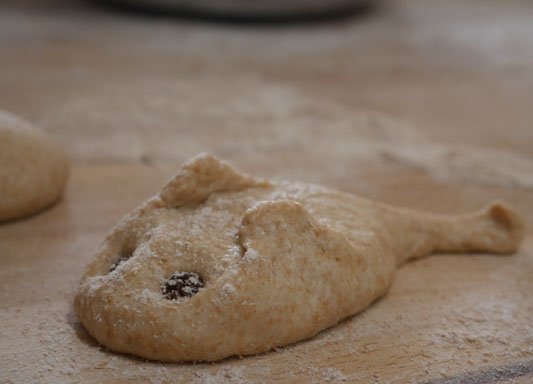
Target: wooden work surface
(424, 104)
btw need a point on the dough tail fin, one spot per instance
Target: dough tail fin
(496, 228)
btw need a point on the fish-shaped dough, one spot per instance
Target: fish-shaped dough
(220, 263)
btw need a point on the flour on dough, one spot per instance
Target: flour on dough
(220, 263)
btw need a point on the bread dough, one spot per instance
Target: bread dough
(33, 169)
(220, 263)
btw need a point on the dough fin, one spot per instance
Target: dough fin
(497, 228)
(285, 232)
(314, 275)
(285, 221)
(200, 177)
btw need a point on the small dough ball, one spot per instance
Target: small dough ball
(33, 168)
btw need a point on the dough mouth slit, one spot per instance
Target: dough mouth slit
(124, 256)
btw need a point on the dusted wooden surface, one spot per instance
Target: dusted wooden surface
(421, 104)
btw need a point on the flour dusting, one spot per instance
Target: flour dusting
(465, 164)
(251, 255)
(333, 375)
(224, 375)
(228, 289)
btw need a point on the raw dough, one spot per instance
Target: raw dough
(33, 169)
(220, 263)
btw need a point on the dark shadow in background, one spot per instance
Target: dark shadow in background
(339, 13)
(492, 375)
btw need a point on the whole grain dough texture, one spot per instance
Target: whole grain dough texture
(221, 264)
(33, 168)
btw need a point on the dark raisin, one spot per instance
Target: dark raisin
(182, 284)
(120, 260)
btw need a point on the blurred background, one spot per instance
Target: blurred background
(429, 85)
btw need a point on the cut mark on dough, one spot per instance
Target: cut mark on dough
(182, 284)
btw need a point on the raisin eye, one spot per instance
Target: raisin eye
(182, 284)
(120, 260)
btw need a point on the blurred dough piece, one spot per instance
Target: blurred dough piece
(33, 168)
